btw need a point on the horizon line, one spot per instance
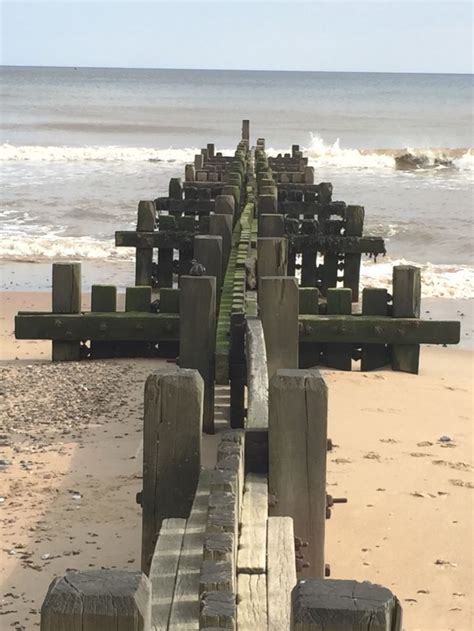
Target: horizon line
(75, 67)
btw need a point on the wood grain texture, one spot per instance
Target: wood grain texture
(272, 257)
(257, 375)
(66, 299)
(281, 571)
(252, 602)
(99, 600)
(297, 457)
(163, 570)
(252, 550)
(171, 450)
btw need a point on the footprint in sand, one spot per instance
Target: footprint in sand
(372, 455)
(459, 466)
(341, 461)
(464, 483)
(424, 443)
(420, 454)
(388, 440)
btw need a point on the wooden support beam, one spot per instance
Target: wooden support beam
(339, 301)
(406, 304)
(66, 298)
(272, 257)
(225, 205)
(175, 190)
(103, 299)
(138, 298)
(377, 330)
(335, 244)
(221, 226)
(252, 601)
(163, 570)
(252, 552)
(354, 228)
(98, 600)
(198, 335)
(267, 204)
(218, 611)
(208, 252)
(257, 375)
(171, 450)
(271, 225)
(146, 327)
(281, 571)
(344, 605)
(278, 305)
(246, 130)
(309, 354)
(144, 256)
(297, 457)
(374, 302)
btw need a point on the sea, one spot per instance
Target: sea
(80, 147)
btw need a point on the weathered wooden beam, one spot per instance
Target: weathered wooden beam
(174, 239)
(339, 355)
(406, 304)
(257, 374)
(252, 552)
(198, 335)
(278, 303)
(281, 571)
(377, 330)
(309, 354)
(208, 252)
(272, 257)
(144, 256)
(103, 299)
(344, 605)
(337, 244)
(66, 298)
(271, 225)
(374, 302)
(171, 450)
(354, 227)
(252, 601)
(98, 600)
(146, 327)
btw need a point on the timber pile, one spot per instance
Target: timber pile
(243, 293)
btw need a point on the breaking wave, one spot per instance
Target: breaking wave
(53, 247)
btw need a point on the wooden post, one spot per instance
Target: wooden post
(308, 268)
(257, 375)
(339, 355)
(343, 605)
(406, 304)
(225, 205)
(354, 228)
(171, 450)
(198, 161)
(208, 252)
(245, 129)
(309, 352)
(198, 335)
(271, 225)
(137, 298)
(329, 279)
(66, 298)
(278, 306)
(103, 300)
(267, 204)
(144, 256)
(272, 256)
(175, 190)
(221, 226)
(98, 600)
(374, 302)
(297, 457)
(169, 303)
(210, 150)
(189, 173)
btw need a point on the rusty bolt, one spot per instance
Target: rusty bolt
(139, 498)
(327, 570)
(330, 500)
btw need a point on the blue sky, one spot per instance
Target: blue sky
(412, 36)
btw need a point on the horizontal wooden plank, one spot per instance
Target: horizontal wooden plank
(252, 551)
(185, 205)
(176, 239)
(281, 571)
(131, 326)
(337, 244)
(252, 602)
(377, 329)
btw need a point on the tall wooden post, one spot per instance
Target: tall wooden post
(208, 251)
(171, 450)
(271, 225)
(374, 302)
(104, 300)
(225, 205)
(406, 304)
(245, 129)
(354, 228)
(98, 600)
(309, 352)
(339, 355)
(272, 257)
(278, 306)
(144, 256)
(343, 605)
(297, 457)
(198, 335)
(66, 298)
(221, 226)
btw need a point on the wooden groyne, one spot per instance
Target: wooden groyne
(248, 275)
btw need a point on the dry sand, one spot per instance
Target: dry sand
(71, 476)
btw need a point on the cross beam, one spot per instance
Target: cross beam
(175, 239)
(377, 330)
(336, 244)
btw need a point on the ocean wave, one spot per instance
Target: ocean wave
(323, 154)
(38, 153)
(52, 247)
(437, 281)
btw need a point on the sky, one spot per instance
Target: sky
(410, 36)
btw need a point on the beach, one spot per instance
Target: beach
(71, 435)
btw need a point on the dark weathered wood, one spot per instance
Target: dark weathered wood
(221, 226)
(377, 330)
(138, 298)
(272, 257)
(66, 298)
(98, 600)
(98, 326)
(171, 450)
(374, 302)
(245, 129)
(257, 375)
(281, 571)
(271, 225)
(177, 239)
(175, 190)
(339, 301)
(354, 228)
(218, 611)
(344, 605)
(331, 245)
(278, 305)
(165, 267)
(198, 335)
(225, 205)
(297, 457)
(267, 204)
(208, 252)
(163, 570)
(103, 299)
(406, 304)
(309, 354)
(144, 256)
(308, 268)
(256, 450)
(330, 270)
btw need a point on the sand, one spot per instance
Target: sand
(68, 488)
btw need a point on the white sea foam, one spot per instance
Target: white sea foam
(322, 154)
(44, 248)
(437, 281)
(37, 153)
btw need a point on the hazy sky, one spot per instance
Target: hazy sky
(412, 36)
